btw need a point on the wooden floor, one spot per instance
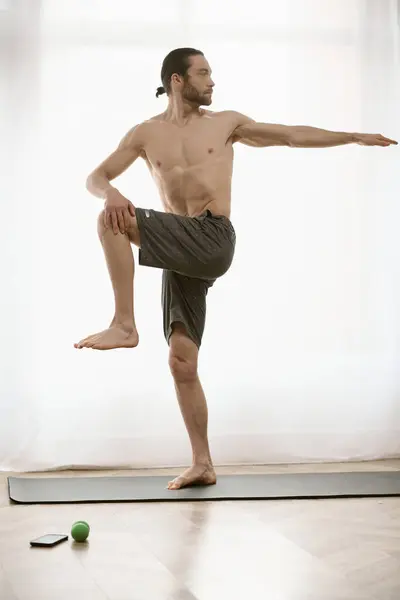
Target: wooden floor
(254, 550)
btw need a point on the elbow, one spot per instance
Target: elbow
(89, 182)
(292, 141)
(294, 136)
(92, 178)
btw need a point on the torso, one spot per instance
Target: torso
(192, 164)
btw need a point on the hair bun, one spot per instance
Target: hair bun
(160, 90)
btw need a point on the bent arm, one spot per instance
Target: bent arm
(128, 150)
(260, 135)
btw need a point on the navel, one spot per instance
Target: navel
(210, 150)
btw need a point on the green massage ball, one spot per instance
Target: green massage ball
(80, 531)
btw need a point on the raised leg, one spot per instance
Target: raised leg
(122, 332)
(183, 360)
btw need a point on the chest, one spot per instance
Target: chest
(171, 146)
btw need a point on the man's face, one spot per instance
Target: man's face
(198, 85)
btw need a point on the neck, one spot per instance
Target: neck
(180, 110)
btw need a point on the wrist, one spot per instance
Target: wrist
(354, 138)
(108, 191)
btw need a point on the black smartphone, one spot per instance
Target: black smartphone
(51, 539)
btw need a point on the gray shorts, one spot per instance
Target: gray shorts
(193, 252)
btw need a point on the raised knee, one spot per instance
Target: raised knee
(100, 223)
(132, 231)
(183, 369)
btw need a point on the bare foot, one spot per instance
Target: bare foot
(114, 337)
(195, 475)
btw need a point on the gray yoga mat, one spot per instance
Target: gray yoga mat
(52, 490)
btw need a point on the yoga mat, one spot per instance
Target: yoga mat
(54, 490)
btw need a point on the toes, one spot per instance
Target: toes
(87, 342)
(80, 345)
(92, 341)
(176, 483)
(192, 479)
(98, 345)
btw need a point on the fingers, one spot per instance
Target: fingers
(386, 141)
(114, 221)
(382, 140)
(377, 140)
(121, 220)
(108, 218)
(127, 219)
(129, 214)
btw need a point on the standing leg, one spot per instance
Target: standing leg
(122, 332)
(183, 361)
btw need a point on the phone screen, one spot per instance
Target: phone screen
(49, 539)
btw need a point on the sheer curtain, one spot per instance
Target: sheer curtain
(300, 359)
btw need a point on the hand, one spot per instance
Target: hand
(372, 139)
(118, 211)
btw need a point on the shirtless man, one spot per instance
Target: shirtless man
(189, 152)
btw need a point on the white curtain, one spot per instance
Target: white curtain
(300, 359)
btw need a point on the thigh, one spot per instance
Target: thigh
(133, 232)
(198, 247)
(184, 307)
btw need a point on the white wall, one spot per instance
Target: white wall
(300, 355)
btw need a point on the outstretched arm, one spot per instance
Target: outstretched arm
(261, 135)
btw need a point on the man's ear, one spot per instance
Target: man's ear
(176, 78)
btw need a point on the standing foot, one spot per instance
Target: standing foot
(199, 474)
(116, 336)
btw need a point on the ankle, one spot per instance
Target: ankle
(202, 460)
(125, 323)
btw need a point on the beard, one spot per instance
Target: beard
(190, 94)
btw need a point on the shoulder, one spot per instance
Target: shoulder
(234, 117)
(233, 122)
(139, 133)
